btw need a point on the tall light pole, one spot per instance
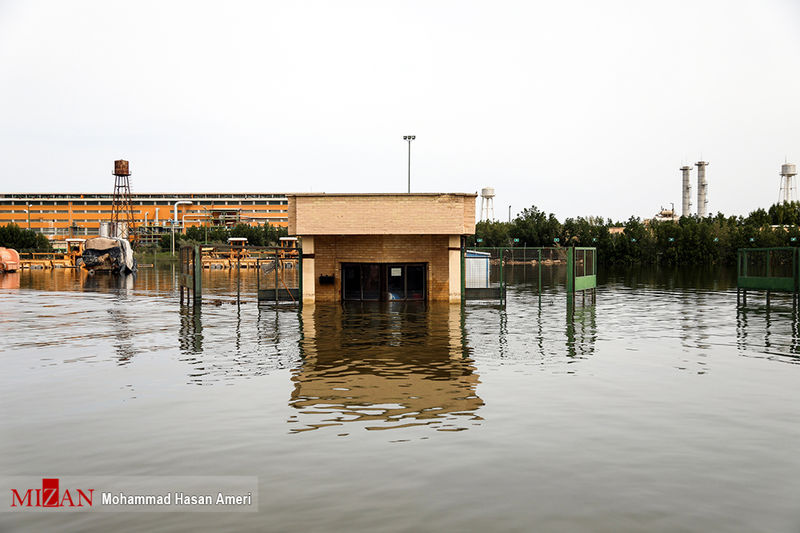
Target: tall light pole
(409, 138)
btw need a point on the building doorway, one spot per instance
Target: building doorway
(384, 281)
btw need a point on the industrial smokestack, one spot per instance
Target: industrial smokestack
(702, 185)
(686, 208)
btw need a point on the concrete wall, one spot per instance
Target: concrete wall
(381, 214)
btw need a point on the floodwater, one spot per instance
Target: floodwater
(659, 408)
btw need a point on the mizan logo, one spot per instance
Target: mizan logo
(50, 496)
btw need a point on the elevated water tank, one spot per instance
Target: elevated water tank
(788, 169)
(121, 168)
(487, 192)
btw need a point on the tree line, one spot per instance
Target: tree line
(265, 235)
(691, 240)
(23, 240)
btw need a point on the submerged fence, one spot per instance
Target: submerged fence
(581, 269)
(279, 270)
(485, 269)
(767, 269)
(190, 276)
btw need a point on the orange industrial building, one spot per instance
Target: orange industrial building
(63, 215)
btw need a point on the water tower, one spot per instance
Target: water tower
(122, 224)
(787, 192)
(487, 203)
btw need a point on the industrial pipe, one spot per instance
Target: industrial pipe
(175, 220)
(179, 202)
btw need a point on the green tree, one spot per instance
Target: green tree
(23, 240)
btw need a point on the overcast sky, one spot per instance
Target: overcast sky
(581, 108)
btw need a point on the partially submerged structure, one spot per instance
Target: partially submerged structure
(9, 260)
(377, 247)
(768, 269)
(110, 254)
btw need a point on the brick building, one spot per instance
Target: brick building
(381, 246)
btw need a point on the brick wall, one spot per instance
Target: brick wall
(381, 214)
(331, 251)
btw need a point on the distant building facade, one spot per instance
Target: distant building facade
(63, 215)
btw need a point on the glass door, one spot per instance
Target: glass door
(405, 281)
(376, 281)
(395, 282)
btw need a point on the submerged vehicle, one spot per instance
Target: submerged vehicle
(109, 254)
(9, 260)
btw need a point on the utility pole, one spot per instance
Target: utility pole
(409, 138)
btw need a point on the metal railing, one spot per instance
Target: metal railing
(485, 276)
(769, 269)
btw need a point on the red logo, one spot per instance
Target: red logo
(50, 496)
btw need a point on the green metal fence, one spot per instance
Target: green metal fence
(768, 269)
(483, 273)
(581, 269)
(278, 271)
(485, 269)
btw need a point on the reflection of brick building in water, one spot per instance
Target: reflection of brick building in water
(63, 215)
(384, 367)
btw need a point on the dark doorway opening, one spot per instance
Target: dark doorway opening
(384, 281)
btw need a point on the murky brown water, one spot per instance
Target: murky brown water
(660, 408)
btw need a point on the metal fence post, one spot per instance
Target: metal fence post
(570, 270)
(463, 273)
(197, 290)
(300, 274)
(502, 268)
(540, 271)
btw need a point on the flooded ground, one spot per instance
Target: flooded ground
(660, 408)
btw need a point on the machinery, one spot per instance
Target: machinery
(9, 260)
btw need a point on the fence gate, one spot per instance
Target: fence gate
(767, 269)
(485, 270)
(483, 274)
(581, 273)
(279, 277)
(190, 278)
(278, 270)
